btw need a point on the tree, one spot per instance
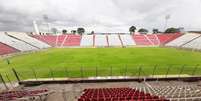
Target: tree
(132, 29)
(64, 31)
(92, 32)
(155, 31)
(73, 31)
(80, 31)
(172, 30)
(54, 30)
(143, 31)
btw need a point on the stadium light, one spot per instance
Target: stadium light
(45, 18)
(35, 27)
(167, 17)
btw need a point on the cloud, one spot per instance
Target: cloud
(100, 15)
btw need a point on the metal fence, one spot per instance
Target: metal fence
(16, 75)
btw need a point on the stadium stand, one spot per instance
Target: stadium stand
(182, 40)
(114, 40)
(117, 94)
(5, 49)
(32, 41)
(72, 40)
(87, 40)
(141, 40)
(173, 91)
(49, 39)
(154, 39)
(127, 40)
(165, 38)
(64, 40)
(46, 41)
(17, 44)
(123, 90)
(60, 39)
(194, 44)
(24, 95)
(100, 41)
(107, 40)
(174, 36)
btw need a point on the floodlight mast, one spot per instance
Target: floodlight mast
(45, 17)
(35, 27)
(167, 17)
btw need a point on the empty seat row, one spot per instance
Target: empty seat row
(153, 39)
(30, 40)
(182, 40)
(117, 94)
(72, 40)
(60, 40)
(87, 40)
(194, 44)
(19, 94)
(23, 42)
(165, 38)
(15, 43)
(189, 41)
(101, 40)
(106, 40)
(114, 40)
(49, 39)
(174, 91)
(127, 40)
(5, 49)
(142, 40)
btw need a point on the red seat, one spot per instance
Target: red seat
(5, 49)
(141, 40)
(116, 94)
(13, 95)
(165, 38)
(72, 40)
(49, 39)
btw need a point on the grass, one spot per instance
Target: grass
(103, 61)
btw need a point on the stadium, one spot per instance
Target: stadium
(103, 61)
(99, 63)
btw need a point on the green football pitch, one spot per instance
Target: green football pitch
(86, 62)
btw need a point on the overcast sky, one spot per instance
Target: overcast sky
(100, 15)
